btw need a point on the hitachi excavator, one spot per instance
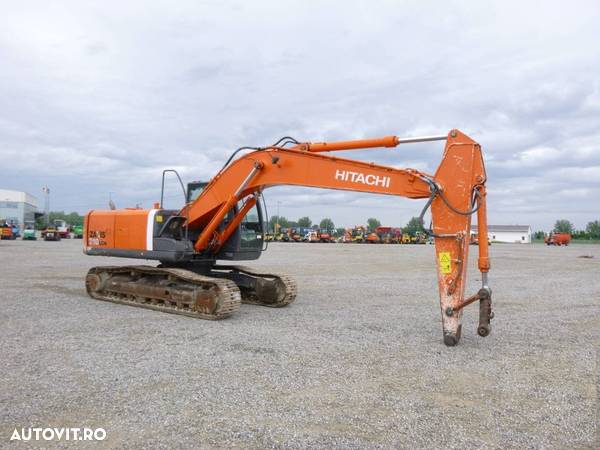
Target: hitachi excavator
(224, 219)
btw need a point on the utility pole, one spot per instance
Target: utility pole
(46, 191)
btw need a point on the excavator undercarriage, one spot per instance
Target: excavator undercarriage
(214, 294)
(224, 220)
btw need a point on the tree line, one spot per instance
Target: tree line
(592, 230)
(72, 218)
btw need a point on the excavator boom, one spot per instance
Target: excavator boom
(208, 228)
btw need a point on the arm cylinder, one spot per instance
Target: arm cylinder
(387, 141)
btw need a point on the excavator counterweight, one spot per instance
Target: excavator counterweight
(224, 220)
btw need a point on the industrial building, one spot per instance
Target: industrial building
(520, 234)
(18, 207)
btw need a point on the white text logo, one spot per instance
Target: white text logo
(66, 434)
(357, 177)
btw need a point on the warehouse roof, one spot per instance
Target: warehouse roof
(500, 228)
(17, 196)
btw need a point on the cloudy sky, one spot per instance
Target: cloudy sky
(96, 98)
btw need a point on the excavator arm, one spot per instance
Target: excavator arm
(454, 194)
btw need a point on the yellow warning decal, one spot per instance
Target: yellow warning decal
(159, 219)
(445, 262)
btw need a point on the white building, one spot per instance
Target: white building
(18, 207)
(520, 234)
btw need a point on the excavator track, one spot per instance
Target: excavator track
(260, 288)
(171, 290)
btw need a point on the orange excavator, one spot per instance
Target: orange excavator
(224, 220)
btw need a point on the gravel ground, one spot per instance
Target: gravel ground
(356, 362)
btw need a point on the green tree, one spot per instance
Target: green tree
(538, 235)
(282, 221)
(593, 229)
(72, 218)
(340, 231)
(373, 223)
(563, 226)
(413, 227)
(327, 224)
(304, 222)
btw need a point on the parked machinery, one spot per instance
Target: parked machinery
(346, 238)
(296, 235)
(62, 228)
(389, 235)
(557, 239)
(29, 232)
(51, 233)
(225, 222)
(373, 238)
(16, 229)
(6, 231)
(418, 238)
(77, 231)
(359, 234)
(312, 237)
(325, 236)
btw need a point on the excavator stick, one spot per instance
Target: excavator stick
(458, 192)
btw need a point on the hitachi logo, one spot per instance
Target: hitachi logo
(357, 177)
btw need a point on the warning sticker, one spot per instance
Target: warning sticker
(445, 262)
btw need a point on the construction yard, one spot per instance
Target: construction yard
(356, 362)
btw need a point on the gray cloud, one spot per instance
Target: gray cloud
(100, 97)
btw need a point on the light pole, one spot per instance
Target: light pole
(46, 191)
(277, 226)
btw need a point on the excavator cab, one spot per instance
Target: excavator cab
(246, 242)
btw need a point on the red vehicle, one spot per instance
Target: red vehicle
(557, 239)
(388, 235)
(325, 236)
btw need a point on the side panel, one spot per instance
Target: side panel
(131, 230)
(100, 229)
(121, 229)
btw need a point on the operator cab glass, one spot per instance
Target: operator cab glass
(251, 230)
(194, 190)
(247, 241)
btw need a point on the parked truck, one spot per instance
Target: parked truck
(62, 228)
(557, 239)
(51, 233)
